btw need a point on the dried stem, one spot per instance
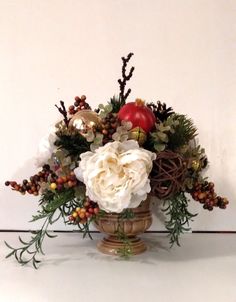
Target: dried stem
(125, 78)
(62, 110)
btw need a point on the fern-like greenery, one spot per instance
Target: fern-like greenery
(54, 206)
(179, 217)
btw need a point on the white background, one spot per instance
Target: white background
(185, 55)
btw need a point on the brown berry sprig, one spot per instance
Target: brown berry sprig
(79, 104)
(33, 185)
(205, 194)
(46, 175)
(81, 215)
(108, 126)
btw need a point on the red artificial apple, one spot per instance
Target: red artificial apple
(138, 114)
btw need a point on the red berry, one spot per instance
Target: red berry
(60, 180)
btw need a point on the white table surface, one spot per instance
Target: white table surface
(203, 269)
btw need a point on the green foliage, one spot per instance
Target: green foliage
(74, 144)
(179, 217)
(126, 250)
(54, 206)
(28, 252)
(127, 214)
(160, 137)
(105, 110)
(116, 103)
(184, 132)
(173, 133)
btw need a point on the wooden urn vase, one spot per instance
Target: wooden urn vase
(111, 223)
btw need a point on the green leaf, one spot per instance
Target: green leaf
(101, 106)
(12, 248)
(51, 236)
(179, 217)
(159, 147)
(23, 242)
(10, 254)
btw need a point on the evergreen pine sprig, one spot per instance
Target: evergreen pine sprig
(183, 133)
(116, 103)
(74, 144)
(179, 217)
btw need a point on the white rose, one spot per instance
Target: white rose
(46, 147)
(116, 175)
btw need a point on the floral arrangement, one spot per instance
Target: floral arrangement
(108, 160)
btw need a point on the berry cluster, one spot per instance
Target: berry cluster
(205, 194)
(46, 175)
(61, 182)
(83, 214)
(79, 104)
(33, 185)
(108, 126)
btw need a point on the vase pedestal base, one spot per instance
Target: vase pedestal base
(111, 245)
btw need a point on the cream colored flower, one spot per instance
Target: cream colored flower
(116, 175)
(46, 147)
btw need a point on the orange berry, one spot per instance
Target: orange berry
(70, 183)
(78, 209)
(96, 210)
(81, 215)
(202, 195)
(64, 178)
